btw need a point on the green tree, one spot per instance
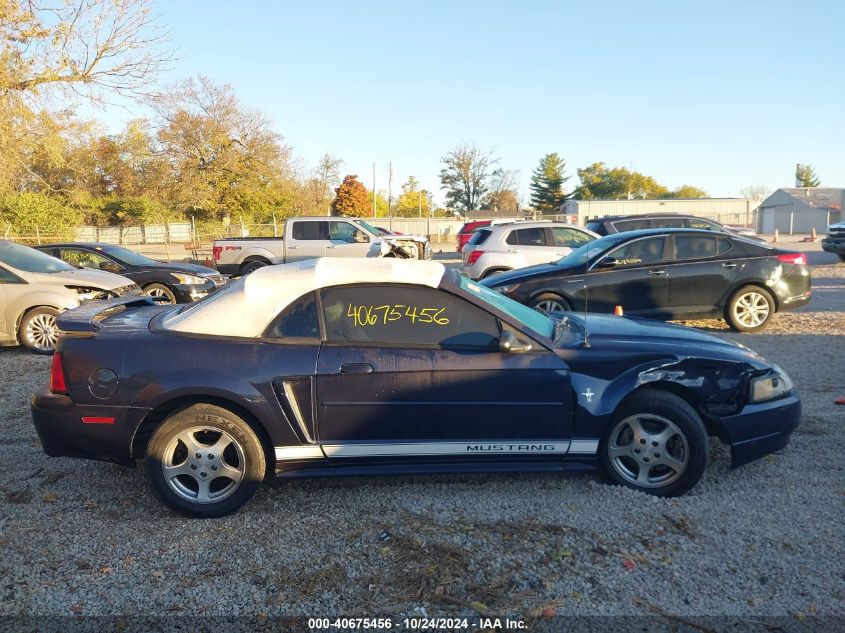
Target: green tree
(413, 202)
(352, 199)
(29, 214)
(547, 193)
(805, 176)
(464, 176)
(688, 191)
(597, 181)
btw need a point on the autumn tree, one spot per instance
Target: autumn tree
(688, 191)
(805, 176)
(464, 176)
(352, 199)
(413, 202)
(502, 195)
(547, 193)
(597, 181)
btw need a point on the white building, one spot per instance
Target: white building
(800, 210)
(738, 211)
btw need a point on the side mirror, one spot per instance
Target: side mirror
(509, 344)
(111, 267)
(607, 262)
(360, 238)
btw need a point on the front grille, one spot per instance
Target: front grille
(836, 233)
(218, 280)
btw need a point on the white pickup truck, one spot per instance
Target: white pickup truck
(310, 237)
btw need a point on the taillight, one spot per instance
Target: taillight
(793, 258)
(473, 257)
(216, 250)
(57, 375)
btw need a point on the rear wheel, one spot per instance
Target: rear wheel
(160, 293)
(252, 266)
(749, 309)
(38, 331)
(493, 271)
(656, 444)
(551, 303)
(204, 461)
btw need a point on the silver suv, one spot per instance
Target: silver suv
(35, 288)
(502, 247)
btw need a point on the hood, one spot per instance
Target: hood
(519, 275)
(84, 277)
(837, 225)
(604, 329)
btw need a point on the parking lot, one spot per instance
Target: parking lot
(85, 538)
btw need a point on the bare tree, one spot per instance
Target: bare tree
(464, 176)
(85, 46)
(755, 192)
(327, 176)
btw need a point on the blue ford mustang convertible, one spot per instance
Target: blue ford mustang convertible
(351, 367)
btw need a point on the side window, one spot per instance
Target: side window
(631, 225)
(406, 315)
(694, 246)
(638, 252)
(698, 223)
(310, 230)
(343, 231)
(573, 238)
(724, 245)
(8, 278)
(86, 259)
(668, 223)
(480, 236)
(298, 320)
(529, 237)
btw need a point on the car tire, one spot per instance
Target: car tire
(492, 271)
(189, 472)
(161, 293)
(656, 443)
(749, 309)
(38, 331)
(550, 302)
(252, 265)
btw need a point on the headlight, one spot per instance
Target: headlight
(190, 280)
(505, 290)
(771, 386)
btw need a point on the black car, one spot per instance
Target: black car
(170, 283)
(667, 274)
(355, 367)
(610, 224)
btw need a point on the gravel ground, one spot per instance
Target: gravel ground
(89, 539)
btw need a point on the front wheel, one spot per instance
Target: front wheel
(656, 444)
(204, 461)
(749, 309)
(252, 266)
(38, 331)
(161, 293)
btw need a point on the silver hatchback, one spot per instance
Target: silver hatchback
(502, 247)
(35, 288)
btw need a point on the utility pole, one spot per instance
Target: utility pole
(389, 189)
(374, 190)
(419, 201)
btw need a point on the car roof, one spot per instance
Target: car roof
(646, 232)
(532, 224)
(246, 307)
(610, 218)
(92, 245)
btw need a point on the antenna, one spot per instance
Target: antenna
(586, 342)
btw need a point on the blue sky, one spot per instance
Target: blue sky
(719, 95)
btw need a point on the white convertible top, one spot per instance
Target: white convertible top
(246, 306)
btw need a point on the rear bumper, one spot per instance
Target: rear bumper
(228, 269)
(760, 429)
(58, 422)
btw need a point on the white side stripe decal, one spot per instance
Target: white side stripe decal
(409, 449)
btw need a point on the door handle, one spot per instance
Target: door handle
(327, 247)
(512, 250)
(292, 248)
(728, 265)
(356, 368)
(656, 271)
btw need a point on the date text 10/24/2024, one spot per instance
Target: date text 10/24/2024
(416, 624)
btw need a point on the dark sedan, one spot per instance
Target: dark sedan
(175, 282)
(387, 366)
(667, 274)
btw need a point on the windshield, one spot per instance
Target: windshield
(588, 251)
(126, 256)
(529, 317)
(28, 259)
(369, 227)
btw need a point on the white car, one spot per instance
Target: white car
(495, 249)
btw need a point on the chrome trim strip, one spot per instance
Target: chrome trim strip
(527, 447)
(298, 452)
(584, 446)
(294, 405)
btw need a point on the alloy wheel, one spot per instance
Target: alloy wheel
(41, 332)
(648, 450)
(549, 305)
(203, 464)
(751, 309)
(161, 295)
